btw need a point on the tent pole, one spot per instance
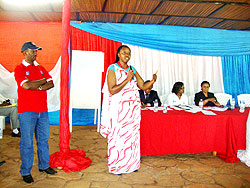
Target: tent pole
(67, 160)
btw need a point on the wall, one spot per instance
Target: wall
(44, 34)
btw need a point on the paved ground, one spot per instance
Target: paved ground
(176, 171)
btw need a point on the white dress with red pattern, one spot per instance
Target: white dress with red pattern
(120, 123)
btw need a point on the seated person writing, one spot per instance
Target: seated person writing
(177, 97)
(148, 96)
(208, 98)
(6, 109)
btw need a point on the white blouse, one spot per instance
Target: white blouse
(173, 99)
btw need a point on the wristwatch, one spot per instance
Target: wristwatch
(40, 88)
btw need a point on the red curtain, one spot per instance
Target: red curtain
(82, 40)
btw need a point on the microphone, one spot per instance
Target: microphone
(130, 67)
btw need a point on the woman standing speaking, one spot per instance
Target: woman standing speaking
(121, 113)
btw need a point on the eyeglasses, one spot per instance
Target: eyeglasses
(124, 53)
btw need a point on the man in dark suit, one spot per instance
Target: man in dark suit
(148, 97)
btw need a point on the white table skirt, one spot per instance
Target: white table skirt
(244, 155)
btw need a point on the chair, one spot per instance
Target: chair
(223, 98)
(2, 126)
(163, 98)
(191, 99)
(245, 98)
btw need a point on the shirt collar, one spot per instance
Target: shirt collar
(27, 64)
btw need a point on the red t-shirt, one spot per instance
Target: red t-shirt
(31, 100)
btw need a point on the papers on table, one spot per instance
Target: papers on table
(14, 104)
(222, 109)
(207, 107)
(168, 108)
(195, 109)
(11, 105)
(192, 109)
(206, 112)
(187, 107)
(182, 107)
(152, 108)
(215, 108)
(176, 107)
(160, 108)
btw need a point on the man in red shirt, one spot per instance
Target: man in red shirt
(33, 81)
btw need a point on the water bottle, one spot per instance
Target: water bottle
(233, 103)
(165, 107)
(156, 105)
(201, 103)
(1, 132)
(242, 106)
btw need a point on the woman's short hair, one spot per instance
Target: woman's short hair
(118, 50)
(205, 82)
(177, 86)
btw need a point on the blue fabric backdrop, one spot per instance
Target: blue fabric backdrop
(233, 46)
(176, 39)
(236, 74)
(79, 117)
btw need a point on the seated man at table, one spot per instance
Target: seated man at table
(10, 110)
(149, 96)
(208, 98)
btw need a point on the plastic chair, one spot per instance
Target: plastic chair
(2, 126)
(245, 98)
(163, 98)
(191, 100)
(223, 98)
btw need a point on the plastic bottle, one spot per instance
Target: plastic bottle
(242, 106)
(233, 103)
(201, 103)
(165, 107)
(1, 132)
(156, 105)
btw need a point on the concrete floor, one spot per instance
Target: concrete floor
(202, 170)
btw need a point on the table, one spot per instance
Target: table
(184, 132)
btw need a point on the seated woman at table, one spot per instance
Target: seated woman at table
(208, 98)
(177, 97)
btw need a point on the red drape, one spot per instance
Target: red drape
(64, 93)
(82, 40)
(74, 160)
(68, 160)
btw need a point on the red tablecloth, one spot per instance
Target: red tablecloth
(185, 132)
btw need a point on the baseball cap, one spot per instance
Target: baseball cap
(30, 45)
